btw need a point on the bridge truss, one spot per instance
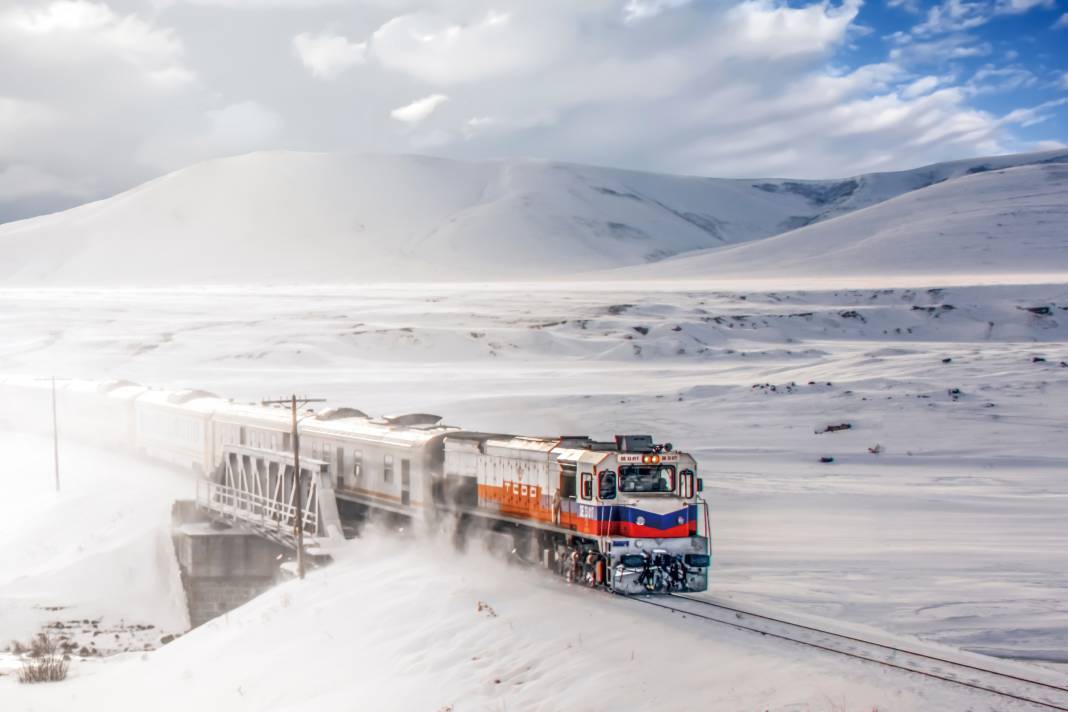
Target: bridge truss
(256, 487)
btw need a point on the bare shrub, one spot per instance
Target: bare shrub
(44, 661)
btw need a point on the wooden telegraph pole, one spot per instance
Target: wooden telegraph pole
(55, 434)
(298, 519)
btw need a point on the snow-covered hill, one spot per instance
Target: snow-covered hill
(294, 217)
(1006, 222)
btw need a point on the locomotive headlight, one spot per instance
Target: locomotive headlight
(640, 521)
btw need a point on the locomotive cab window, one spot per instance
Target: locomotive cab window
(686, 483)
(607, 485)
(647, 478)
(587, 485)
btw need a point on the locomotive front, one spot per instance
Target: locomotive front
(649, 497)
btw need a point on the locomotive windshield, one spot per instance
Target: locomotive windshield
(646, 478)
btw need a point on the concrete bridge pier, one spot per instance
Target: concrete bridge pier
(222, 566)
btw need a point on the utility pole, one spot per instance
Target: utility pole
(55, 433)
(298, 519)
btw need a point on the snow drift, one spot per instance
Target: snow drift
(298, 218)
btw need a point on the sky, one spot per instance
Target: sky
(97, 96)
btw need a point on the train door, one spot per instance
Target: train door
(568, 490)
(339, 465)
(406, 481)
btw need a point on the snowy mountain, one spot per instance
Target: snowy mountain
(1010, 222)
(295, 217)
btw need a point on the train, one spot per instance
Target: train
(626, 514)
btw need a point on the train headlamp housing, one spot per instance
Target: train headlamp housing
(650, 459)
(698, 561)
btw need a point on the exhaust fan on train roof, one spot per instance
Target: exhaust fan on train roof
(185, 396)
(412, 420)
(341, 414)
(109, 386)
(635, 443)
(585, 442)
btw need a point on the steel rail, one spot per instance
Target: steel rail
(895, 649)
(838, 651)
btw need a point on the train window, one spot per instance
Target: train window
(242, 431)
(607, 485)
(587, 485)
(357, 463)
(387, 469)
(646, 478)
(686, 483)
(285, 441)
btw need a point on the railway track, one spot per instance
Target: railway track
(1025, 690)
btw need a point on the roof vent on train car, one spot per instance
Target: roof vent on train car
(109, 386)
(341, 413)
(186, 396)
(412, 419)
(635, 443)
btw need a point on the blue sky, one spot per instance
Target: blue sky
(1014, 57)
(97, 96)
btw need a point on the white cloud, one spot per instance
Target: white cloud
(1047, 145)
(1016, 7)
(103, 98)
(419, 109)
(990, 79)
(938, 51)
(1033, 115)
(764, 28)
(954, 16)
(636, 10)
(923, 85)
(1062, 22)
(76, 31)
(436, 49)
(326, 56)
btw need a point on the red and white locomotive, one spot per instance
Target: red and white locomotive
(625, 514)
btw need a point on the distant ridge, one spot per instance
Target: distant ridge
(281, 217)
(1007, 221)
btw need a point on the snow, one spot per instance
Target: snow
(98, 549)
(283, 218)
(900, 312)
(1005, 223)
(398, 624)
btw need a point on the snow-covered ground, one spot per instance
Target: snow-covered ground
(928, 309)
(954, 532)
(93, 562)
(393, 624)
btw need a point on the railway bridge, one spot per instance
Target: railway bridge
(229, 539)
